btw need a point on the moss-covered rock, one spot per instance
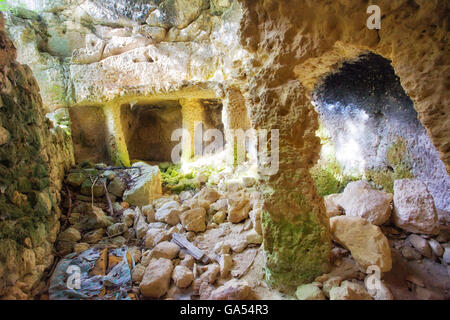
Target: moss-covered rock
(295, 252)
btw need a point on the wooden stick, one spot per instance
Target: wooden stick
(111, 209)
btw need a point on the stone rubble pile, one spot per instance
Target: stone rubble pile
(368, 225)
(147, 222)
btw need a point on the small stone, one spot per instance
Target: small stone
(94, 236)
(128, 217)
(95, 219)
(75, 179)
(117, 229)
(349, 291)
(80, 247)
(238, 207)
(169, 213)
(5, 136)
(155, 236)
(185, 195)
(201, 178)
(98, 190)
(225, 264)
(220, 217)
(70, 234)
(194, 220)
(446, 256)
(188, 261)
(149, 212)
(220, 205)
(420, 244)
(28, 243)
(208, 194)
(165, 249)
(232, 290)
(331, 283)
(209, 275)
(410, 253)
(125, 205)
(140, 225)
(182, 277)
(138, 273)
(222, 247)
(156, 280)
(436, 247)
(309, 292)
(64, 247)
(117, 187)
(237, 245)
(253, 237)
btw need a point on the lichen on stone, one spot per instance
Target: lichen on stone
(295, 252)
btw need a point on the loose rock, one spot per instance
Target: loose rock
(367, 244)
(361, 200)
(156, 280)
(414, 209)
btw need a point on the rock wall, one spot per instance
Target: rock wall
(33, 158)
(107, 54)
(295, 44)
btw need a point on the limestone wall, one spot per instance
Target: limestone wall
(33, 157)
(86, 52)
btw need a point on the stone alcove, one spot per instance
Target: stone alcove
(369, 129)
(148, 129)
(141, 130)
(88, 130)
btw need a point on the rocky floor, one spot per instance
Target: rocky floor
(206, 244)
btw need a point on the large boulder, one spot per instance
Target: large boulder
(359, 199)
(145, 185)
(414, 208)
(366, 242)
(156, 278)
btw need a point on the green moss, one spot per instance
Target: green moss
(327, 174)
(174, 180)
(330, 178)
(399, 161)
(296, 253)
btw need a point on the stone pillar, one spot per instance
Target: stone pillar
(193, 114)
(117, 145)
(297, 240)
(236, 122)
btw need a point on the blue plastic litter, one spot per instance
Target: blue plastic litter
(117, 282)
